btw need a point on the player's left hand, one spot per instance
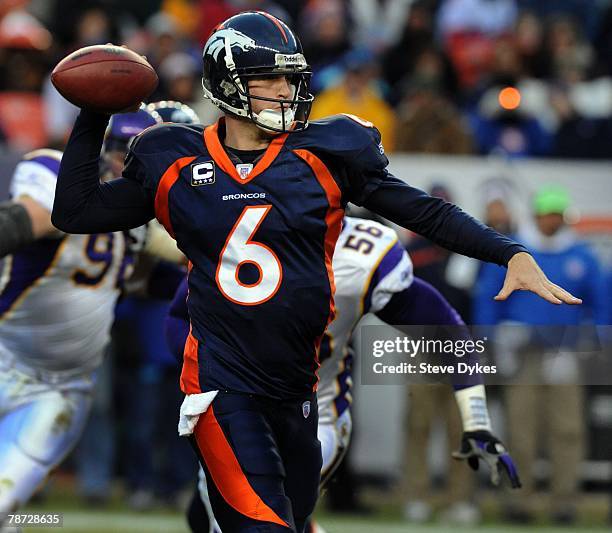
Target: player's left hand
(477, 445)
(524, 274)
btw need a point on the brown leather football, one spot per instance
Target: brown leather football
(104, 78)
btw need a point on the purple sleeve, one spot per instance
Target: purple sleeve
(391, 260)
(177, 322)
(422, 305)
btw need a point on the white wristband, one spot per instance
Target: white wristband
(472, 403)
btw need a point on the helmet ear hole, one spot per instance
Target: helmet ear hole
(257, 44)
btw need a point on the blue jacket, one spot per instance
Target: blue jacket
(571, 265)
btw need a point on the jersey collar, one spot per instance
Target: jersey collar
(219, 155)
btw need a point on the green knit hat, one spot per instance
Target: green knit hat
(551, 199)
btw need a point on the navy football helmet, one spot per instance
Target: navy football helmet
(257, 44)
(172, 111)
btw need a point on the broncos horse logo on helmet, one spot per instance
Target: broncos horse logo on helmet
(218, 41)
(256, 44)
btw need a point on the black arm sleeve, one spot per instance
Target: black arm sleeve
(441, 222)
(83, 204)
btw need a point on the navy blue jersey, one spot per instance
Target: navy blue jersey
(260, 246)
(260, 243)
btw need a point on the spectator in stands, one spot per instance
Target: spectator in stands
(469, 29)
(586, 13)
(179, 76)
(164, 36)
(603, 42)
(428, 122)
(358, 94)
(529, 42)
(501, 125)
(569, 55)
(498, 211)
(77, 23)
(412, 54)
(578, 136)
(379, 24)
(24, 61)
(324, 30)
(545, 369)
(212, 12)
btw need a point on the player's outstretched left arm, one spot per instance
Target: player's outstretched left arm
(373, 187)
(450, 227)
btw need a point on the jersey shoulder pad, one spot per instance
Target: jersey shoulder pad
(154, 150)
(168, 137)
(355, 141)
(36, 175)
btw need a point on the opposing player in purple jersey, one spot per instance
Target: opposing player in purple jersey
(57, 303)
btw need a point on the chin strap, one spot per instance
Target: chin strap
(272, 120)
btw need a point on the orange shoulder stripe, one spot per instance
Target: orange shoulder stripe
(162, 210)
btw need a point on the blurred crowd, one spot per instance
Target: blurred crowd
(513, 77)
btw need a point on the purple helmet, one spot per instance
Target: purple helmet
(123, 127)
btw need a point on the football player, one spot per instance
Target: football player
(373, 274)
(57, 301)
(255, 202)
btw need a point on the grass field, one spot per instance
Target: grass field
(62, 496)
(126, 522)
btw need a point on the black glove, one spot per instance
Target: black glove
(476, 445)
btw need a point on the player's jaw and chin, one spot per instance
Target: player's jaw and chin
(270, 100)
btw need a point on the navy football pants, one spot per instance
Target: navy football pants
(262, 461)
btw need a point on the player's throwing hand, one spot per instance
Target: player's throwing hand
(524, 274)
(477, 445)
